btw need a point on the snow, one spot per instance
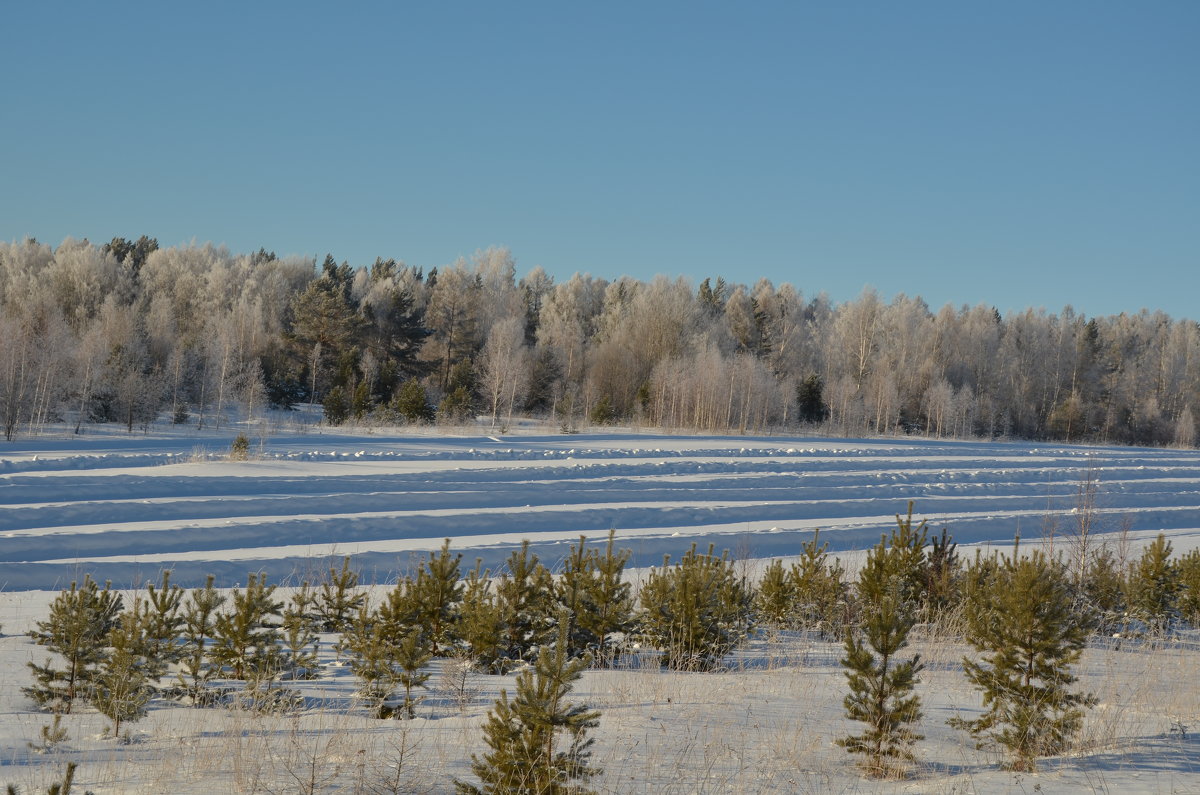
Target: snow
(124, 507)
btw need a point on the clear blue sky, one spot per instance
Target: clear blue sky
(1017, 154)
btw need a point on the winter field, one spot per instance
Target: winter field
(125, 507)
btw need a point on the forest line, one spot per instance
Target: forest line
(124, 331)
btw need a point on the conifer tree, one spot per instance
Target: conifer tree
(77, 630)
(818, 589)
(525, 596)
(573, 594)
(438, 591)
(246, 640)
(163, 625)
(1022, 619)
(608, 600)
(943, 571)
(199, 626)
(371, 660)
(400, 611)
(298, 635)
(1189, 583)
(526, 755)
(881, 683)
(696, 611)
(1153, 585)
(481, 624)
(122, 687)
(340, 598)
(908, 563)
(1103, 590)
(775, 600)
(411, 654)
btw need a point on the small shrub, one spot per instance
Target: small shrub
(240, 449)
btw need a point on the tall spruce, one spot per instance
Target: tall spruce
(526, 753)
(77, 630)
(1022, 619)
(881, 682)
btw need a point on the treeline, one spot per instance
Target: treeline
(1028, 616)
(124, 331)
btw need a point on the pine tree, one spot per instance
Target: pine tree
(881, 684)
(908, 563)
(523, 734)
(199, 626)
(411, 654)
(608, 600)
(696, 611)
(123, 687)
(298, 635)
(1153, 585)
(818, 589)
(163, 626)
(438, 591)
(1189, 582)
(943, 571)
(339, 599)
(1103, 590)
(1022, 619)
(77, 630)
(246, 640)
(525, 596)
(371, 660)
(481, 624)
(775, 600)
(573, 593)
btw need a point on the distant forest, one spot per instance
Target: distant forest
(125, 331)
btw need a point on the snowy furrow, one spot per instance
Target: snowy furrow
(123, 515)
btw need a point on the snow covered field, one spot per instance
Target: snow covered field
(125, 507)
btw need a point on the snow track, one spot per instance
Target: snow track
(124, 509)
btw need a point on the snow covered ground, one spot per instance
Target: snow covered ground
(125, 507)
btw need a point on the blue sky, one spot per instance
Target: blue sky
(1015, 154)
